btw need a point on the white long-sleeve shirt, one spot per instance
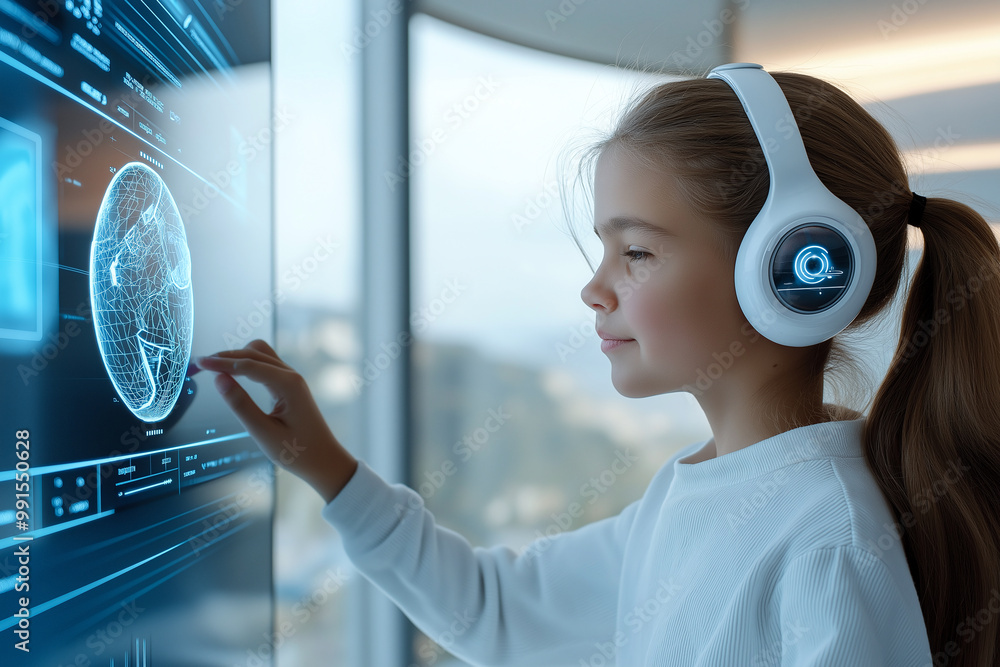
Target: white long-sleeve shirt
(780, 553)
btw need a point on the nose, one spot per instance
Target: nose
(597, 295)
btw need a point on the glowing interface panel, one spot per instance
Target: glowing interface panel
(132, 191)
(20, 234)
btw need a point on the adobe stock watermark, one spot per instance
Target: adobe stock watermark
(624, 289)
(454, 117)
(223, 7)
(923, 503)
(372, 369)
(534, 206)
(714, 29)
(579, 335)
(772, 654)
(944, 139)
(755, 164)
(101, 641)
(750, 506)
(464, 449)
(723, 361)
(592, 489)
(291, 280)
(249, 148)
(131, 439)
(47, 10)
(223, 518)
(302, 610)
(56, 342)
(897, 192)
(92, 138)
(968, 629)
(446, 639)
(899, 16)
(957, 298)
(561, 13)
(635, 619)
(640, 274)
(767, 487)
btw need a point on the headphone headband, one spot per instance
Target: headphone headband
(771, 118)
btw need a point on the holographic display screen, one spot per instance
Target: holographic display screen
(135, 233)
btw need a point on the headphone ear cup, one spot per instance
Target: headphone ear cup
(807, 281)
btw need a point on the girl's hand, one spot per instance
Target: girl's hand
(294, 434)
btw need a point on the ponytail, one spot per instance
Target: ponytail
(932, 438)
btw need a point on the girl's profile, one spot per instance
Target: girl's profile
(877, 539)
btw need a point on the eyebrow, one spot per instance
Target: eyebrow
(624, 223)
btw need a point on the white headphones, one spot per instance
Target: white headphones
(807, 262)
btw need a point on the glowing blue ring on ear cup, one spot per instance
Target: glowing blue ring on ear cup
(811, 267)
(809, 254)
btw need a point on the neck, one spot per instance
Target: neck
(749, 417)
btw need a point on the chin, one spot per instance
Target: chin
(633, 389)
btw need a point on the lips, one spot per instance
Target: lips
(607, 336)
(611, 343)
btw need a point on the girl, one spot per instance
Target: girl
(801, 533)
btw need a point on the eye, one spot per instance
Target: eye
(635, 255)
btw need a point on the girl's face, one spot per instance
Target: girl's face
(666, 288)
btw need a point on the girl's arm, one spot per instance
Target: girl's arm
(555, 603)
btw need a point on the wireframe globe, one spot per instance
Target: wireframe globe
(140, 290)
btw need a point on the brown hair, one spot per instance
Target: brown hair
(932, 435)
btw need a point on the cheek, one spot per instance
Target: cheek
(667, 318)
(692, 318)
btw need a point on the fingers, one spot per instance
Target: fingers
(263, 370)
(246, 353)
(256, 361)
(262, 346)
(255, 349)
(252, 417)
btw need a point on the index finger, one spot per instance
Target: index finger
(262, 346)
(247, 352)
(264, 371)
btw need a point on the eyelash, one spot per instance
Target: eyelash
(631, 254)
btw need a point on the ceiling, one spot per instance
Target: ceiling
(888, 48)
(928, 70)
